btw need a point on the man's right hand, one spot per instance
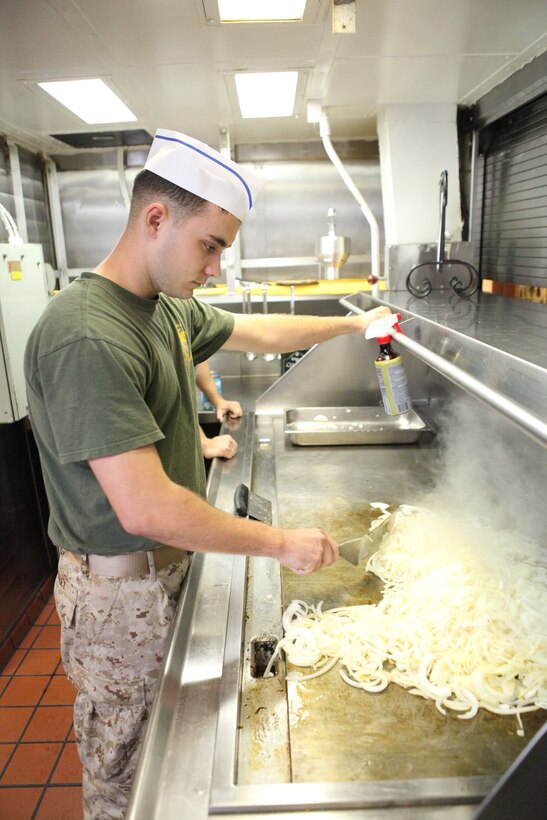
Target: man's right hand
(307, 550)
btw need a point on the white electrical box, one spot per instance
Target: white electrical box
(23, 296)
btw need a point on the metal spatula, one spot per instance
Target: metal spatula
(358, 549)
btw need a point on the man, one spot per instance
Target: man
(112, 401)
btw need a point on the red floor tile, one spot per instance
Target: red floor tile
(19, 803)
(49, 638)
(5, 753)
(69, 767)
(30, 637)
(36, 710)
(71, 734)
(60, 692)
(44, 615)
(61, 803)
(31, 764)
(15, 661)
(39, 662)
(54, 618)
(24, 690)
(13, 721)
(49, 723)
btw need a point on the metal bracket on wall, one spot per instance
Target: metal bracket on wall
(419, 285)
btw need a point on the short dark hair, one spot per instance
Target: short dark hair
(149, 187)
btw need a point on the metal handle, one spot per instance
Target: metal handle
(443, 187)
(241, 500)
(516, 413)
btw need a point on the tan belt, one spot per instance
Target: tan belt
(129, 564)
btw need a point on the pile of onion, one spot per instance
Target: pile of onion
(462, 621)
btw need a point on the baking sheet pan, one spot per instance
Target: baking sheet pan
(328, 426)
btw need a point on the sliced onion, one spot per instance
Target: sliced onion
(461, 622)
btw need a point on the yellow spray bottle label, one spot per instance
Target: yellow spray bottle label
(389, 366)
(393, 386)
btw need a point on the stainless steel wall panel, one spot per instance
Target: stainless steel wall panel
(94, 214)
(291, 214)
(34, 199)
(36, 211)
(288, 217)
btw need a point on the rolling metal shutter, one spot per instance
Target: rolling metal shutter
(514, 213)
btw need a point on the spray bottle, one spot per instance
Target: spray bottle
(389, 366)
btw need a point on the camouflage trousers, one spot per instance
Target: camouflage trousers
(114, 634)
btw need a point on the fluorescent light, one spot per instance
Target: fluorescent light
(266, 94)
(91, 100)
(244, 11)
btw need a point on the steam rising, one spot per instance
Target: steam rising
(491, 471)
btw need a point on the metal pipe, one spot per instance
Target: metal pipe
(324, 131)
(120, 163)
(288, 261)
(54, 201)
(526, 421)
(247, 308)
(232, 254)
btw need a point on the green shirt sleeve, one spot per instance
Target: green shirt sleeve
(211, 328)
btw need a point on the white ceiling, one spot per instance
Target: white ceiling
(174, 69)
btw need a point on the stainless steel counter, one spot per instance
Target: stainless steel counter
(224, 740)
(518, 328)
(245, 390)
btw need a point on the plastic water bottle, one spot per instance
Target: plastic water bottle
(205, 403)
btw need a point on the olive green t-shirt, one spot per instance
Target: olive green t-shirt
(107, 372)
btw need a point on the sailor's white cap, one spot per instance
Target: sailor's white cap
(192, 165)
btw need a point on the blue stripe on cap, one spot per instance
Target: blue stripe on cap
(213, 159)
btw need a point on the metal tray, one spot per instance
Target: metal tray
(327, 426)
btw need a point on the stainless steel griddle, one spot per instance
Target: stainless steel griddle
(337, 733)
(223, 740)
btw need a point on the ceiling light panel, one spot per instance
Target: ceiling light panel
(255, 11)
(229, 12)
(266, 94)
(91, 100)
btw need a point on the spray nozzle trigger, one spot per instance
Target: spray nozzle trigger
(382, 327)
